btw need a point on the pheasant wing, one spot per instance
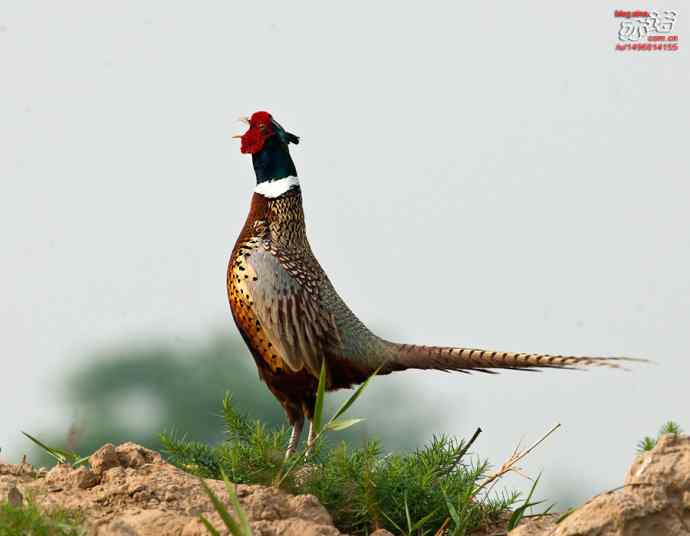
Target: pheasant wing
(283, 291)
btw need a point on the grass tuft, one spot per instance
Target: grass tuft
(29, 520)
(363, 488)
(648, 442)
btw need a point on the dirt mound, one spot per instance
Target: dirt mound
(655, 500)
(131, 491)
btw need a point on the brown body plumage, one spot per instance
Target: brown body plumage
(280, 315)
(291, 318)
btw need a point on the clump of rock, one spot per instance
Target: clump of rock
(654, 501)
(131, 491)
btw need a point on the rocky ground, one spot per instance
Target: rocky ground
(131, 491)
(653, 501)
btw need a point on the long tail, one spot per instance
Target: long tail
(410, 356)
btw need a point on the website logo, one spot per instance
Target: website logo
(643, 30)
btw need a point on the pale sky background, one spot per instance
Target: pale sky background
(486, 174)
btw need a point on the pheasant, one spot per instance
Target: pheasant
(291, 317)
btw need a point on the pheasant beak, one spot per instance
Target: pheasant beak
(244, 120)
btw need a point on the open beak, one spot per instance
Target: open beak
(244, 120)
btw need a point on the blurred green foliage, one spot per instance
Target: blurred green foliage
(28, 520)
(135, 392)
(131, 394)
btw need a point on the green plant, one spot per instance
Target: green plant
(240, 429)
(520, 512)
(670, 427)
(253, 453)
(29, 520)
(61, 455)
(648, 442)
(360, 485)
(435, 488)
(236, 528)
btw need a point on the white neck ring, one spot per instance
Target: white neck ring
(276, 188)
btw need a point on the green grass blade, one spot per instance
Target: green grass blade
(283, 473)
(346, 405)
(55, 453)
(68, 454)
(209, 527)
(81, 460)
(520, 512)
(320, 395)
(419, 524)
(244, 522)
(218, 505)
(61, 455)
(452, 511)
(565, 514)
(407, 514)
(397, 527)
(548, 509)
(343, 424)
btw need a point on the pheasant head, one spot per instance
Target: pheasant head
(268, 143)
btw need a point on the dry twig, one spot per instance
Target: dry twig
(515, 457)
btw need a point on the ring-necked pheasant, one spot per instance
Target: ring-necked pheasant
(292, 318)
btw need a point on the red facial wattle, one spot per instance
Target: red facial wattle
(252, 141)
(260, 129)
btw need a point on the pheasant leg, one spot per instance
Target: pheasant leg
(311, 437)
(294, 437)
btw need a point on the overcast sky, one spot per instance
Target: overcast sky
(488, 174)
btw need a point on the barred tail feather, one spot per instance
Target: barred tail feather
(410, 356)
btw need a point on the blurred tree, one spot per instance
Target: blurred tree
(132, 393)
